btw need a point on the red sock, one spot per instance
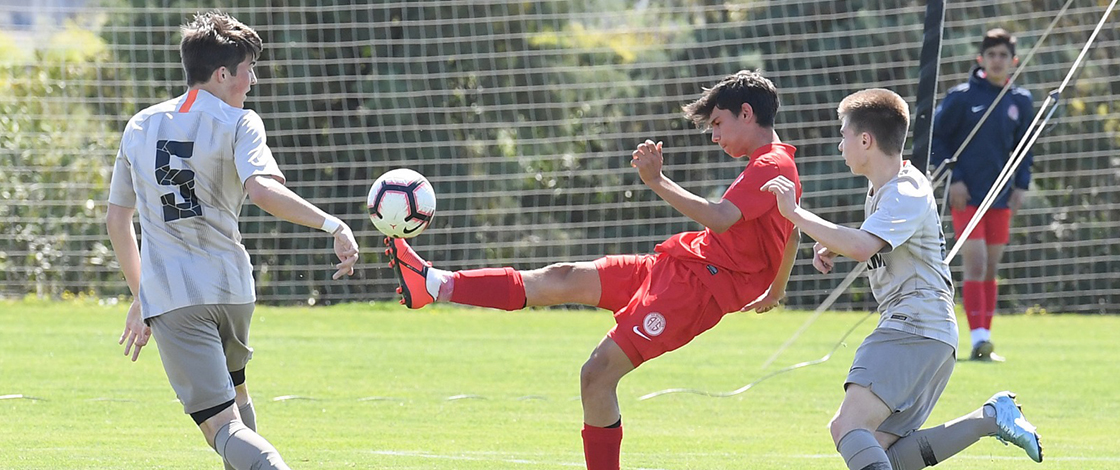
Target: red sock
(991, 296)
(974, 301)
(500, 288)
(601, 447)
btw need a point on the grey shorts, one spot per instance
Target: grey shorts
(199, 346)
(908, 372)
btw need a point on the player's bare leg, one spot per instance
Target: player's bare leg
(240, 447)
(563, 283)
(991, 260)
(974, 255)
(602, 429)
(854, 430)
(599, 381)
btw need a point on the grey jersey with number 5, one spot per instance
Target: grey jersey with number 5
(909, 276)
(183, 164)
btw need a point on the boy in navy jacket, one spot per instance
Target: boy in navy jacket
(976, 170)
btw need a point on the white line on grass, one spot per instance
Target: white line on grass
(481, 457)
(510, 457)
(1071, 458)
(19, 396)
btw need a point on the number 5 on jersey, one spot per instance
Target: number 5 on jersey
(183, 178)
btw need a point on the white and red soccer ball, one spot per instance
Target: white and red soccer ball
(401, 203)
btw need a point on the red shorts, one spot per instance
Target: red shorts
(659, 304)
(994, 228)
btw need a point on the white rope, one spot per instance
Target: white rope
(767, 376)
(831, 299)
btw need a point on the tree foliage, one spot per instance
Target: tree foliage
(55, 162)
(525, 113)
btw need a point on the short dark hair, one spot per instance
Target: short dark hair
(730, 93)
(880, 112)
(214, 40)
(995, 37)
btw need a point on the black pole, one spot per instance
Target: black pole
(928, 67)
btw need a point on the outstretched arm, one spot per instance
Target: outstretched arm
(853, 243)
(276, 199)
(777, 289)
(717, 216)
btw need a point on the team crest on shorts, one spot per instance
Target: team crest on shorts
(654, 323)
(1013, 112)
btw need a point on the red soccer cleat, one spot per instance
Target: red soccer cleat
(412, 273)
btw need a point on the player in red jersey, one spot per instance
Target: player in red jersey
(740, 261)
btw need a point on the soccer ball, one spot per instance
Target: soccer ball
(401, 203)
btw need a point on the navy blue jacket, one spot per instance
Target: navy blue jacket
(980, 163)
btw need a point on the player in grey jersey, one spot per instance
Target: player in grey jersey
(185, 166)
(903, 366)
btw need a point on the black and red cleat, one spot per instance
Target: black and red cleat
(412, 273)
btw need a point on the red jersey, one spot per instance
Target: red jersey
(740, 264)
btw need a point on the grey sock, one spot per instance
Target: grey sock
(928, 447)
(244, 449)
(248, 415)
(862, 452)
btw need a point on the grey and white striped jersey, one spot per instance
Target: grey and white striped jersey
(909, 276)
(182, 165)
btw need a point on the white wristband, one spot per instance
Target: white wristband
(331, 224)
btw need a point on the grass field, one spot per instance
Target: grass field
(372, 387)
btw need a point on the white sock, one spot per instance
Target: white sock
(980, 334)
(436, 279)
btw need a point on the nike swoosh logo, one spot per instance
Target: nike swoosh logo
(639, 333)
(977, 109)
